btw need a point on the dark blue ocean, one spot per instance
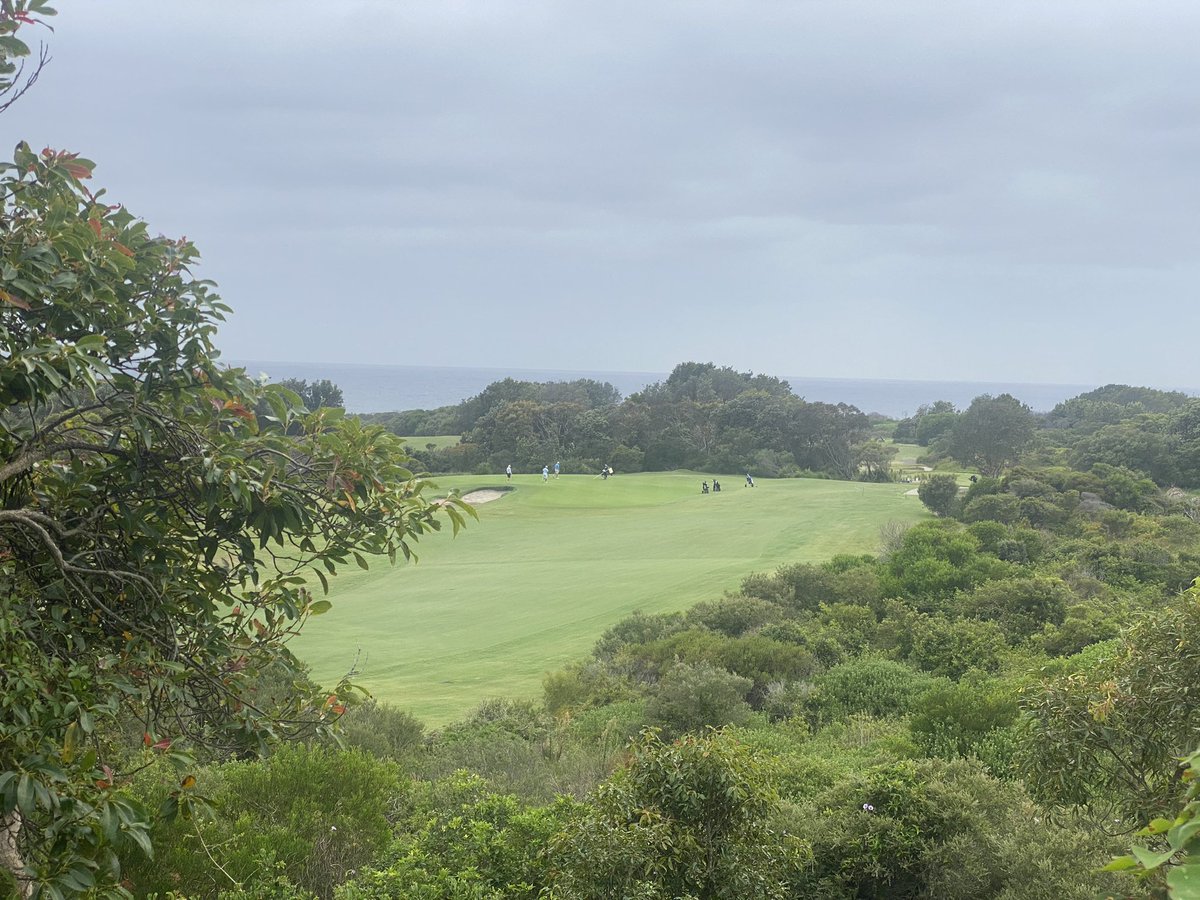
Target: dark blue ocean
(390, 388)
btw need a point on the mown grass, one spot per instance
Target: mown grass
(550, 566)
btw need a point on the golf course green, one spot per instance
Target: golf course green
(550, 565)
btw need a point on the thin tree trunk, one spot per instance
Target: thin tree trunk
(10, 854)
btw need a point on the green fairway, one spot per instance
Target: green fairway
(550, 566)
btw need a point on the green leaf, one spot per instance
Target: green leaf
(139, 836)
(1181, 834)
(1183, 882)
(1121, 864)
(70, 742)
(362, 563)
(25, 794)
(324, 580)
(1152, 860)
(319, 606)
(1158, 826)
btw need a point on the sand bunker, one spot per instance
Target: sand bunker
(486, 496)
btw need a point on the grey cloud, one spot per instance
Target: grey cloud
(881, 189)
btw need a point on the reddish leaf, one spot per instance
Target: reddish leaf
(13, 301)
(164, 744)
(95, 226)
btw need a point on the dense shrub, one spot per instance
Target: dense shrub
(582, 686)
(953, 647)
(1020, 606)
(684, 819)
(956, 719)
(382, 730)
(637, 628)
(734, 616)
(462, 840)
(693, 697)
(940, 494)
(932, 829)
(936, 560)
(873, 686)
(317, 812)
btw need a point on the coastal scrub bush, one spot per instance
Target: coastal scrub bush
(940, 494)
(954, 719)
(381, 730)
(683, 819)
(317, 812)
(462, 840)
(734, 616)
(871, 685)
(933, 829)
(692, 697)
(1020, 606)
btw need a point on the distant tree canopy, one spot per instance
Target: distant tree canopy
(319, 394)
(992, 433)
(702, 416)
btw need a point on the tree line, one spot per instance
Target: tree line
(702, 416)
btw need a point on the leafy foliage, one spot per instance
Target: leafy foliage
(1177, 867)
(157, 539)
(939, 493)
(1105, 737)
(684, 819)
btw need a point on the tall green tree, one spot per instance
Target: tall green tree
(158, 540)
(992, 433)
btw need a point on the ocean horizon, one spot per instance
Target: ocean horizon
(378, 388)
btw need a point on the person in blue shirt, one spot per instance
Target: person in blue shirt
(557, 467)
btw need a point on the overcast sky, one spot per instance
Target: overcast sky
(945, 190)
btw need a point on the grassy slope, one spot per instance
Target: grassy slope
(550, 566)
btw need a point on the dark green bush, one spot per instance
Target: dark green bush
(873, 686)
(693, 697)
(382, 730)
(931, 829)
(734, 616)
(955, 719)
(318, 813)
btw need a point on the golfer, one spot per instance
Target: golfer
(545, 473)
(508, 472)
(557, 467)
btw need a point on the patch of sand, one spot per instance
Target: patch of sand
(486, 496)
(912, 493)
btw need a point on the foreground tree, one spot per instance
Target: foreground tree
(1107, 738)
(157, 540)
